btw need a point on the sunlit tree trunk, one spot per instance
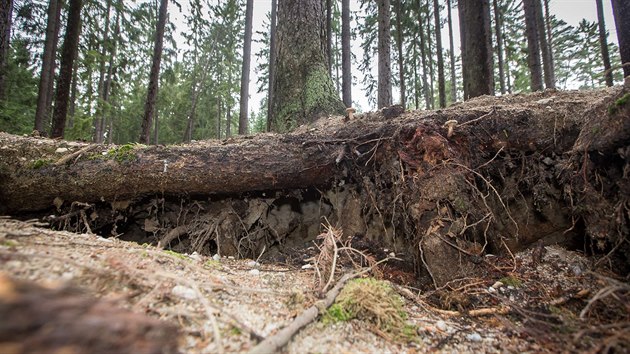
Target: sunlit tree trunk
(474, 18)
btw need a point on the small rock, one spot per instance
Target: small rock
(307, 266)
(195, 256)
(441, 325)
(230, 257)
(576, 269)
(253, 264)
(61, 150)
(254, 272)
(216, 257)
(492, 290)
(184, 292)
(475, 337)
(545, 101)
(547, 161)
(510, 287)
(392, 254)
(497, 285)
(385, 250)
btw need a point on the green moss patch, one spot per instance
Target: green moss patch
(39, 163)
(373, 301)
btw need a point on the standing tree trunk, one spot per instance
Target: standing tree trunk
(154, 76)
(545, 47)
(48, 65)
(97, 122)
(218, 117)
(452, 53)
(272, 61)
(416, 94)
(533, 47)
(68, 55)
(384, 98)
(440, 59)
(474, 17)
(6, 12)
(228, 122)
(303, 89)
(603, 42)
(399, 46)
(329, 35)
(430, 57)
(110, 73)
(346, 51)
(621, 11)
(423, 54)
(499, 34)
(247, 53)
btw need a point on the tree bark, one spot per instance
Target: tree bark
(423, 54)
(48, 65)
(431, 72)
(6, 12)
(154, 76)
(329, 35)
(533, 45)
(621, 11)
(384, 93)
(545, 47)
(243, 122)
(452, 53)
(68, 56)
(603, 42)
(346, 54)
(303, 89)
(307, 158)
(399, 47)
(476, 41)
(499, 34)
(440, 59)
(97, 122)
(272, 60)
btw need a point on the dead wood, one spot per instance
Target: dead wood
(505, 172)
(275, 342)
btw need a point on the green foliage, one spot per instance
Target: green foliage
(619, 104)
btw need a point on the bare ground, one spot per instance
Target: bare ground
(551, 300)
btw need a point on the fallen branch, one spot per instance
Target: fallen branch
(274, 343)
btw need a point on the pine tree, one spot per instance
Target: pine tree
(608, 74)
(476, 40)
(621, 11)
(346, 50)
(152, 91)
(384, 56)
(68, 55)
(440, 59)
(247, 52)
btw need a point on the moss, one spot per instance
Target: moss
(374, 301)
(235, 331)
(619, 104)
(212, 264)
(39, 163)
(512, 281)
(175, 254)
(8, 243)
(123, 153)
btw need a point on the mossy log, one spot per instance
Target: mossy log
(504, 171)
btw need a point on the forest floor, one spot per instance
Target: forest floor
(549, 302)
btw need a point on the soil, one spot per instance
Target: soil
(545, 299)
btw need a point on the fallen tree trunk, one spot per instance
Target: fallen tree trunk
(475, 178)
